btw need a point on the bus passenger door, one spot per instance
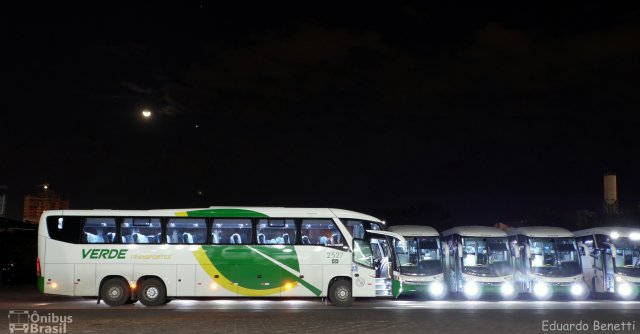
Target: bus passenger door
(387, 280)
(607, 267)
(363, 273)
(586, 259)
(599, 267)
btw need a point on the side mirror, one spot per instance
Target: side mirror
(445, 249)
(585, 248)
(527, 250)
(460, 251)
(614, 250)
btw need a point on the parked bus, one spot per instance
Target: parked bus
(547, 262)
(123, 256)
(419, 269)
(478, 262)
(615, 254)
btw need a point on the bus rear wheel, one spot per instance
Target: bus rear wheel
(340, 293)
(152, 292)
(115, 292)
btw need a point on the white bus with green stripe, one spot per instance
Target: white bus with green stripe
(478, 262)
(548, 262)
(610, 259)
(122, 256)
(419, 269)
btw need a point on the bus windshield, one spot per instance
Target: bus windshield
(486, 257)
(627, 260)
(422, 257)
(358, 227)
(555, 257)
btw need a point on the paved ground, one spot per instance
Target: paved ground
(314, 316)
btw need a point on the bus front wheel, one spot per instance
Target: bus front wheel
(340, 293)
(115, 292)
(152, 292)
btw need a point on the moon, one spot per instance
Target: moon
(146, 113)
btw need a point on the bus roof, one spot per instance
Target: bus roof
(541, 232)
(414, 230)
(475, 231)
(222, 211)
(627, 232)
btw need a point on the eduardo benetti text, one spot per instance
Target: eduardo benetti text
(595, 325)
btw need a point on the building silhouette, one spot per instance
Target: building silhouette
(35, 205)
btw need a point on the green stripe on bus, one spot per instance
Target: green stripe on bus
(234, 213)
(41, 284)
(242, 265)
(308, 285)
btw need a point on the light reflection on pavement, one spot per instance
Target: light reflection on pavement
(58, 302)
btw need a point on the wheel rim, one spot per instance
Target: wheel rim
(114, 292)
(151, 292)
(342, 293)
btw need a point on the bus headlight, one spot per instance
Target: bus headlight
(507, 289)
(436, 289)
(625, 290)
(541, 290)
(577, 289)
(471, 289)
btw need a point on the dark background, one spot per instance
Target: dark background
(439, 113)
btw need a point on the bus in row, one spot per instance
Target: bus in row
(419, 264)
(478, 262)
(548, 262)
(151, 256)
(540, 261)
(614, 255)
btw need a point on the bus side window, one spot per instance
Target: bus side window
(597, 259)
(277, 231)
(355, 227)
(66, 229)
(186, 230)
(320, 232)
(231, 231)
(99, 231)
(141, 231)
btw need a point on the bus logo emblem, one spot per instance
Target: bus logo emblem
(19, 321)
(31, 322)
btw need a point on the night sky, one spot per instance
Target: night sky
(431, 112)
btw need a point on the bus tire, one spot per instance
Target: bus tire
(115, 292)
(152, 292)
(340, 293)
